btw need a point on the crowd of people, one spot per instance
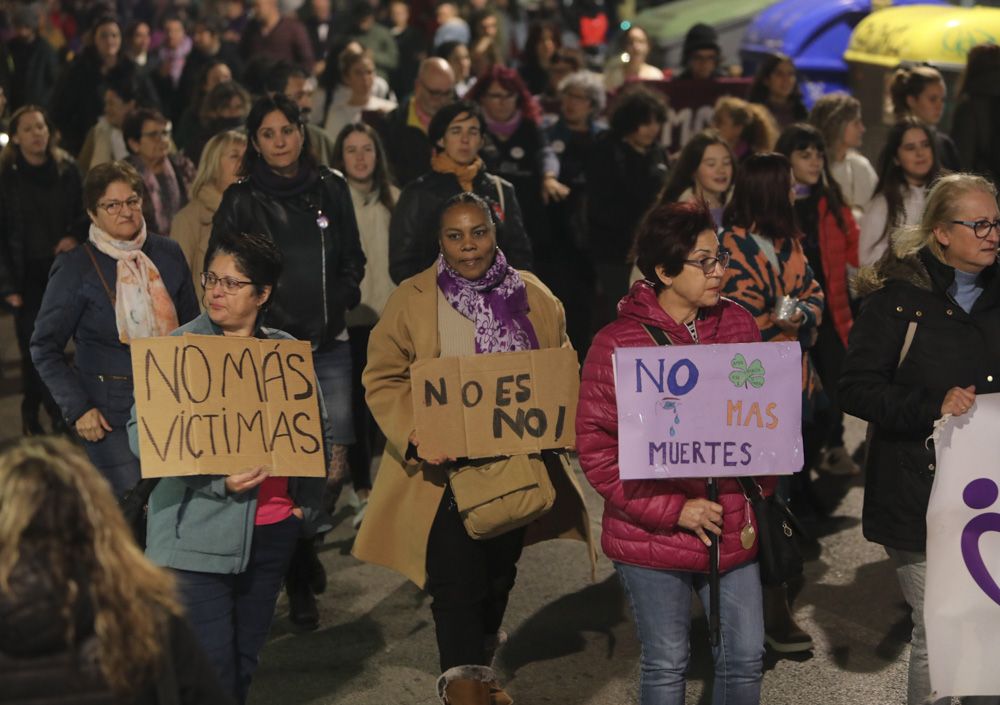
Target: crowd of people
(399, 181)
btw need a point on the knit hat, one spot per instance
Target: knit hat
(700, 36)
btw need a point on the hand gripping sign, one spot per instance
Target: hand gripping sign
(962, 595)
(709, 410)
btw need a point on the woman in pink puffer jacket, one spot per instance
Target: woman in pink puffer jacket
(656, 531)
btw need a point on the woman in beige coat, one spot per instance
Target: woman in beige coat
(412, 524)
(192, 226)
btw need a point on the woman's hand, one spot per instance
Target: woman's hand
(791, 325)
(438, 460)
(92, 426)
(297, 512)
(699, 515)
(552, 190)
(957, 401)
(14, 300)
(243, 481)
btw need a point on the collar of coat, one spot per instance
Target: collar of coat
(921, 270)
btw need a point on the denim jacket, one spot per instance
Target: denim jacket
(194, 524)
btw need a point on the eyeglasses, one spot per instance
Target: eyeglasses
(980, 228)
(158, 134)
(115, 207)
(229, 285)
(499, 97)
(441, 95)
(708, 264)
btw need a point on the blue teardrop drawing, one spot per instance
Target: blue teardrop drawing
(677, 419)
(673, 431)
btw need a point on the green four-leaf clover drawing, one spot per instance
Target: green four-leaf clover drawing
(744, 375)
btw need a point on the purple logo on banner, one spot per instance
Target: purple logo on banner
(709, 410)
(980, 494)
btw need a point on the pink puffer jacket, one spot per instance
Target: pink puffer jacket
(640, 516)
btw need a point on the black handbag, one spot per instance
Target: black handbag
(135, 507)
(777, 533)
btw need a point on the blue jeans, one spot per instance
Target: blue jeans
(333, 370)
(231, 614)
(661, 604)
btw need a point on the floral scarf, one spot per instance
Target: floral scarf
(164, 205)
(465, 173)
(497, 304)
(143, 307)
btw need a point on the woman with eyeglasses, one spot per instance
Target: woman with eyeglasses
(657, 531)
(122, 283)
(926, 344)
(229, 539)
(769, 265)
(307, 211)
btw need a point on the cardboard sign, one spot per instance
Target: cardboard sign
(218, 405)
(691, 105)
(479, 406)
(709, 410)
(962, 590)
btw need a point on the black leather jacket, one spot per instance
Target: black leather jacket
(413, 237)
(323, 268)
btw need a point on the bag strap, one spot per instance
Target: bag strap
(750, 487)
(911, 330)
(107, 289)
(499, 187)
(658, 335)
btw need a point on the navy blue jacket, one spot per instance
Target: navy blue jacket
(76, 306)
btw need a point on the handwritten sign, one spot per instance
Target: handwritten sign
(217, 405)
(691, 105)
(709, 410)
(479, 406)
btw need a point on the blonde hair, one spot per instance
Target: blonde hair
(940, 208)
(831, 113)
(54, 506)
(211, 155)
(757, 127)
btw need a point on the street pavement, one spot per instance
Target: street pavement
(572, 639)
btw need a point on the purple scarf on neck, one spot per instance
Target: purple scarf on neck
(497, 304)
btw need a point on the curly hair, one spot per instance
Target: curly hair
(509, 80)
(831, 113)
(55, 506)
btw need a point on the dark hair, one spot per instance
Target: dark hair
(124, 84)
(97, 180)
(264, 106)
(213, 24)
(134, 122)
(761, 197)
(802, 136)
(980, 67)
(910, 82)
(759, 92)
(467, 198)
(636, 106)
(257, 257)
(9, 153)
(278, 75)
(220, 97)
(201, 78)
(682, 173)
(173, 17)
(444, 117)
(509, 80)
(444, 49)
(381, 177)
(667, 235)
(536, 30)
(891, 179)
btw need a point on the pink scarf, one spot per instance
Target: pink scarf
(161, 216)
(143, 307)
(504, 129)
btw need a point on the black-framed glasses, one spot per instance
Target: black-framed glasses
(439, 94)
(229, 285)
(980, 228)
(115, 207)
(708, 264)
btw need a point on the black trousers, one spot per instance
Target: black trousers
(36, 394)
(828, 357)
(470, 583)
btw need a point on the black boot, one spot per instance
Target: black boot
(302, 610)
(781, 632)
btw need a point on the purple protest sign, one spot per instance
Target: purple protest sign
(709, 410)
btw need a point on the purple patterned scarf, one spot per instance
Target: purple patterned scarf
(497, 304)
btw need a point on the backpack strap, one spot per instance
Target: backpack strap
(658, 335)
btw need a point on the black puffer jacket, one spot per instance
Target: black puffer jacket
(36, 666)
(323, 268)
(413, 236)
(950, 348)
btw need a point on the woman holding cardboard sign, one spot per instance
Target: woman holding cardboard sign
(656, 531)
(123, 283)
(229, 539)
(469, 302)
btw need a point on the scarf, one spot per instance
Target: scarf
(160, 202)
(497, 304)
(143, 307)
(465, 173)
(280, 187)
(174, 59)
(417, 117)
(504, 129)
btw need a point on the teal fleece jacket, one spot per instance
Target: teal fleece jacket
(194, 524)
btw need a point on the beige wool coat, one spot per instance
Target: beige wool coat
(407, 493)
(192, 228)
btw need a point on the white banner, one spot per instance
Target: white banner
(962, 597)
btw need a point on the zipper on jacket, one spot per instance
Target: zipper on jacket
(323, 223)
